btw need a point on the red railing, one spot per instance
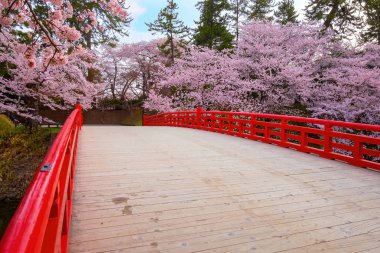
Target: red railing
(356, 144)
(42, 221)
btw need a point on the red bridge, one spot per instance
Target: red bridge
(165, 189)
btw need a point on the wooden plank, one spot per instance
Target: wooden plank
(161, 189)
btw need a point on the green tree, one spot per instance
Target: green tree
(261, 9)
(372, 12)
(212, 29)
(238, 11)
(286, 13)
(108, 29)
(340, 15)
(167, 23)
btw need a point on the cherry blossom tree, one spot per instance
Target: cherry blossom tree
(347, 85)
(131, 70)
(24, 85)
(204, 77)
(148, 58)
(277, 69)
(120, 75)
(268, 72)
(279, 60)
(40, 53)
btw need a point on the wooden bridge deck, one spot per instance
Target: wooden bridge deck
(158, 189)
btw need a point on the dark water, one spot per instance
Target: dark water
(7, 209)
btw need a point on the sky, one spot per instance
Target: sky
(146, 11)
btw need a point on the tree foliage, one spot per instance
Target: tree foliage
(212, 30)
(238, 12)
(167, 23)
(41, 57)
(204, 77)
(131, 70)
(348, 84)
(277, 69)
(261, 9)
(342, 16)
(372, 30)
(286, 13)
(106, 21)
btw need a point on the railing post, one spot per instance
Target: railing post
(303, 140)
(327, 148)
(284, 122)
(79, 107)
(358, 155)
(253, 127)
(199, 116)
(266, 131)
(240, 126)
(213, 119)
(230, 123)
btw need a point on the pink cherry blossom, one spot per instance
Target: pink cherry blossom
(57, 3)
(51, 67)
(6, 21)
(66, 32)
(276, 69)
(56, 15)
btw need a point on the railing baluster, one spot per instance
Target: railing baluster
(358, 147)
(266, 131)
(284, 140)
(327, 140)
(303, 141)
(253, 127)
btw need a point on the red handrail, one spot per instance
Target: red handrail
(42, 220)
(354, 143)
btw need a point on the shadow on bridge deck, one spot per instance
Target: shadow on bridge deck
(161, 189)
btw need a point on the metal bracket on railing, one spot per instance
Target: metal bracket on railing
(46, 167)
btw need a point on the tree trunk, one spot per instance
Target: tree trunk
(113, 85)
(144, 84)
(91, 72)
(331, 16)
(378, 26)
(171, 48)
(237, 21)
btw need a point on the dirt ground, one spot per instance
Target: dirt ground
(21, 152)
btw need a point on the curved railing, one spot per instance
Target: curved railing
(356, 144)
(42, 221)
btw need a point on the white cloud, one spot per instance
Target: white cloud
(135, 9)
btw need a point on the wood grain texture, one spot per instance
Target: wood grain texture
(162, 189)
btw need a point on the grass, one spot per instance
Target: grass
(6, 125)
(54, 130)
(21, 151)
